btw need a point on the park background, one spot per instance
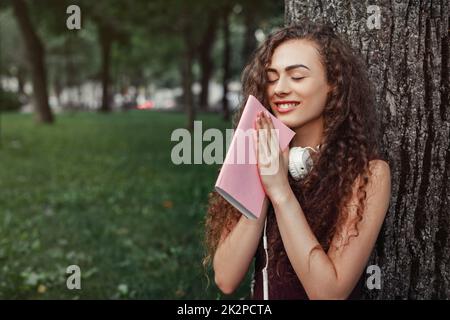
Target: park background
(86, 116)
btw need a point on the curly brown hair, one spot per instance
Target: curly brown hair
(350, 138)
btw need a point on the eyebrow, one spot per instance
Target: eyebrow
(294, 66)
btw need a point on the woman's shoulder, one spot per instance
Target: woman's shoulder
(379, 176)
(379, 168)
(379, 184)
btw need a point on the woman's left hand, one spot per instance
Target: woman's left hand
(272, 162)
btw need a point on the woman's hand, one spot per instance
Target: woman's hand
(272, 162)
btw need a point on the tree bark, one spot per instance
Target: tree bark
(408, 60)
(36, 57)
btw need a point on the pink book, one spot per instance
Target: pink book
(239, 182)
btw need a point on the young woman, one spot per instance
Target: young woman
(321, 228)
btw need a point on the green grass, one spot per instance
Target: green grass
(101, 192)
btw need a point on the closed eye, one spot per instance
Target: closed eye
(293, 78)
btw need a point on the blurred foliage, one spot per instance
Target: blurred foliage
(12, 52)
(9, 101)
(148, 38)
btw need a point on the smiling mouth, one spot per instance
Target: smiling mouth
(285, 107)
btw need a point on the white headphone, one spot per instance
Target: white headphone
(300, 161)
(300, 164)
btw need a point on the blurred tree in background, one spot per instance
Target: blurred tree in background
(130, 45)
(36, 59)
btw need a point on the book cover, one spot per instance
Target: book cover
(238, 181)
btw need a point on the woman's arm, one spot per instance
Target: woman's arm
(333, 274)
(236, 250)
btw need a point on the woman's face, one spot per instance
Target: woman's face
(296, 83)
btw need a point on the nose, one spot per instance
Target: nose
(281, 88)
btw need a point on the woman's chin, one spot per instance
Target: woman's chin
(290, 123)
(292, 119)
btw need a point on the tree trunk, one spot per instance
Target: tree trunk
(206, 62)
(188, 58)
(408, 59)
(21, 81)
(36, 57)
(105, 43)
(226, 63)
(249, 36)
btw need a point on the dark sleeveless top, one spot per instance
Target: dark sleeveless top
(284, 284)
